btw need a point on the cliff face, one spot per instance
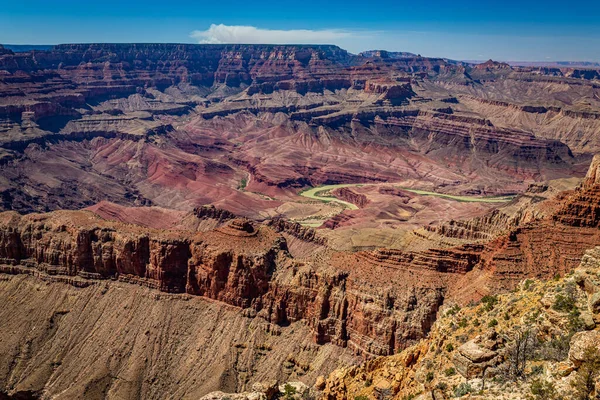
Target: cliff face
(458, 138)
(346, 194)
(239, 264)
(168, 64)
(116, 340)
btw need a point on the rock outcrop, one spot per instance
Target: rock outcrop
(477, 357)
(347, 194)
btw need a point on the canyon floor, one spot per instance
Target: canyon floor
(180, 221)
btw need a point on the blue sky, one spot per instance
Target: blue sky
(502, 30)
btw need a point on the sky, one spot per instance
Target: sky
(506, 30)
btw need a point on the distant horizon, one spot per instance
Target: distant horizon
(467, 30)
(471, 61)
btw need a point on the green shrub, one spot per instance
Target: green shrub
(449, 347)
(555, 349)
(537, 369)
(429, 376)
(564, 303)
(542, 390)
(584, 383)
(450, 371)
(492, 323)
(453, 310)
(463, 323)
(289, 391)
(463, 389)
(489, 302)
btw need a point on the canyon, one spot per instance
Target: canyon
(157, 239)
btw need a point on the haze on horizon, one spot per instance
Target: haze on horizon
(468, 30)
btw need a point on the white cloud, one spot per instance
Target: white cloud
(218, 34)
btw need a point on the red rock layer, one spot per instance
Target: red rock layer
(240, 263)
(346, 194)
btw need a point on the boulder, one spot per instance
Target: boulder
(320, 382)
(269, 388)
(580, 342)
(594, 303)
(474, 357)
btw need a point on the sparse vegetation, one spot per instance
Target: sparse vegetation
(450, 371)
(463, 389)
(449, 347)
(584, 384)
(453, 310)
(555, 349)
(489, 302)
(536, 370)
(289, 391)
(542, 389)
(564, 303)
(492, 323)
(519, 351)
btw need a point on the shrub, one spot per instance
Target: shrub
(492, 323)
(567, 300)
(449, 347)
(575, 323)
(519, 351)
(476, 322)
(443, 386)
(453, 310)
(368, 382)
(489, 302)
(429, 376)
(564, 303)
(584, 383)
(450, 371)
(289, 391)
(555, 349)
(537, 369)
(463, 389)
(463, 323)
(542, 390)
